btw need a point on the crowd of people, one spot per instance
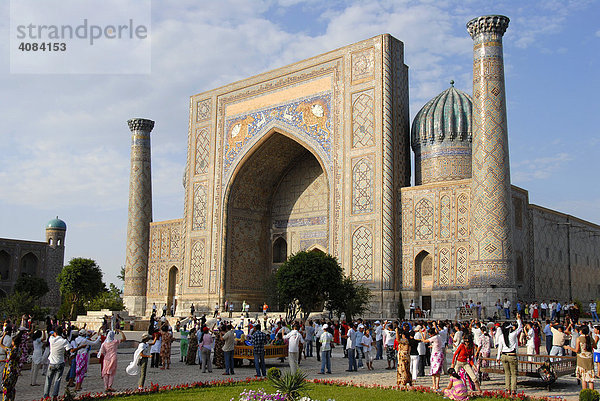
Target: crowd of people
(457, 350)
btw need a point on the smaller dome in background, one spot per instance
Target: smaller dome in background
(57, 224)
(441, 138)
(446, 117)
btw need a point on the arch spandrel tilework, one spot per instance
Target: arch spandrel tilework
(362, 186)
(197, 258)
(362, 254)
(363, 121)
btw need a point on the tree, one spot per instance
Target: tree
(19, 304)
(108, 299)
(36, 287)
(80, 281)
(307, 279)
(121, 275)
(350, 298)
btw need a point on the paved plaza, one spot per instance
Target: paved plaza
(566, 387)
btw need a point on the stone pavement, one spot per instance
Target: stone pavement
(180, 373)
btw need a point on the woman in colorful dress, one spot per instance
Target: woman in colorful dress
(484, 346)
(84, 344)
(437, 356)
(456, 389)
(403, 376)
(109, 351)
(463, 358)
(585, 344)
(165, 347)
(192, 347)
(218, 354)
(12, 368)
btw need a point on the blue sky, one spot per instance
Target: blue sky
(65, 141)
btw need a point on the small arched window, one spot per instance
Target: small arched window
(279, 250)
(50, 241)
(59, 242)
(29, 265)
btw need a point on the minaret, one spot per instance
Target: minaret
(140, 216)
(490, 262)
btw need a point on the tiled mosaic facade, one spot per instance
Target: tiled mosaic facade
(139, 216)
(316, 155)
(491, 236)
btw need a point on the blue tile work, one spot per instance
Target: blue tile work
(310, 117)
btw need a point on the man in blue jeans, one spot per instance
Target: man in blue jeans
(351, 348)
(58, 346)
(325, 340)
(259, 340)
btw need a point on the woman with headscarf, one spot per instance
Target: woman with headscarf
(38, 355)
(484, 346)
(403, 376)
(165, 346)
(84, 343)
(12, 368)
(192, 347)
(507, 353)
(109, 350)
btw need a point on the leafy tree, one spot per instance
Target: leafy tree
(108, 299)
(121, 275)
(19, 304)
(307, 279)
(36, 287)
(80, 281)
(350, 298)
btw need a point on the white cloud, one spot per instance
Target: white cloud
(539, 168)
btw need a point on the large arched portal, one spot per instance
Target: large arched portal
(279, 193)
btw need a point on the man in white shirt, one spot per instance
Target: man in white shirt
(294, 340)
(351, 348)
(326, 338)
(507, 308)
(593, 310)
(412, 308)
(544, 308)
(58, 346)
(379, 340)
(389, 336)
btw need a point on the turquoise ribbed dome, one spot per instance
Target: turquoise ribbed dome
(57, 224)
(445, 118)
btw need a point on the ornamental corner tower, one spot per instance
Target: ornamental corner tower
(491, 261)
(139, 217)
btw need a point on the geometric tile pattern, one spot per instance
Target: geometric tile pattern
(203, 109)
(202, 151)
(424, 220)
(200, 199)
(362, 120)
(363, 64)
(362, 254)
(196, 278)
(445, 261)
(445, 215)
(362, 186)
(491, 240)
(462, 260)
(140, 208)
(164, 254)
(462, 218)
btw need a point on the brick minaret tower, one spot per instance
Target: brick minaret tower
(140, 216)
(490, 262)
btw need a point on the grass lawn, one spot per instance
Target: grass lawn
(318, 391)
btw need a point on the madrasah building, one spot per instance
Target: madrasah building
(317, 156)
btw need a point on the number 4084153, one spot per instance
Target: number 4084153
(44, 47)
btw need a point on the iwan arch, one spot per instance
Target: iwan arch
(316, 155)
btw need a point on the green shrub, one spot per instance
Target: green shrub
(293, 385)
(274, 373)
(589, 395)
